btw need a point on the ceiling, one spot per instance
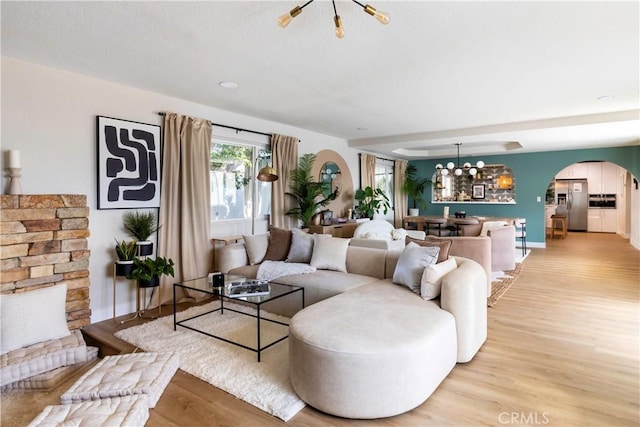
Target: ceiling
(500, 77)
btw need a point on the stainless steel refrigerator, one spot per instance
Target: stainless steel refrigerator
(573, 195)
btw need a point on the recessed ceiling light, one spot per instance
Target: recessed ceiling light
(228, 85)
(605, 98)
(362, 129)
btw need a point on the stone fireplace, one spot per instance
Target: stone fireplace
(43, 241)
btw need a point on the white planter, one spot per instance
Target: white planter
(414, 212)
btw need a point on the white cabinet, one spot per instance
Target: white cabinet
(602, 177)
(548, 211)
(610, 178)
(574, 171)
(602, 220)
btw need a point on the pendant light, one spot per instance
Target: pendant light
(458, 170)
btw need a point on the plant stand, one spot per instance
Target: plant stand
(139, 312)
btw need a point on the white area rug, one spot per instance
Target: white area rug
(233, 369)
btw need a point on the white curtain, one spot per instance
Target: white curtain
(284, 151)
(400, 199)
(184, 202)
(367, 170)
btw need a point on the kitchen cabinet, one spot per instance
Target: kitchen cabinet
(574, 171)
(602, 177)
(602, 220)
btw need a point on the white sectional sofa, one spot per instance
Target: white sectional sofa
(366, 347)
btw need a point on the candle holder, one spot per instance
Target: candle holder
(15, 187)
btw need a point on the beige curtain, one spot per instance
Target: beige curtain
(284, 151)
(367, 170)
(400, 207)
(184, 202)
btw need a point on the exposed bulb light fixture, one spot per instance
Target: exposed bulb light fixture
(382, 17)
(457, 170)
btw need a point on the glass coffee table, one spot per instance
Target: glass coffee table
(203, 285)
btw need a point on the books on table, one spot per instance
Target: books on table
(250, 288)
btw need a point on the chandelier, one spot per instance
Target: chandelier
(382, 17)
(459, 170)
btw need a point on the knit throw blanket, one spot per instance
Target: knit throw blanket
(270, 270)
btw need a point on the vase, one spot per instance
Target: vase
(124, 268)
(145, 248)
(155, 281)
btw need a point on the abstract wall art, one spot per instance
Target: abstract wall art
(128, 164)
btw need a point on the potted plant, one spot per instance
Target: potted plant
(414, 186)
(309, 195)
(147, 271)
(141, 225)
(371, 202)
(126, 252)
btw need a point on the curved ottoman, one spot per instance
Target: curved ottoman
(375, 351)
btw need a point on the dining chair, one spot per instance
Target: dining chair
(521, 233)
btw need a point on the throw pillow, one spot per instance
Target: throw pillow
(301, 246)
(330, 253)
(411, 264)
(32, 317)
(256, 245)
(443, 244)
(279, 244)
(432, 278)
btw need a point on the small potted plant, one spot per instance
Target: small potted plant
(126, 252)
(141, 225)
(371, 202)
(414, 186)
(147, 271)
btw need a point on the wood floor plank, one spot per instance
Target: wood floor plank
(563, 349)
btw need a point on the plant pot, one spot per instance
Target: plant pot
(145, 248)
(124, 268)
(155, 281)
(414, 212)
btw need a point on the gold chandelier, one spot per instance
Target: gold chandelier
(382, 17)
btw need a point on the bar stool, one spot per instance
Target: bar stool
(435, 225)
(558, 224)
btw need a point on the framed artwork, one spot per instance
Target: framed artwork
(477, 191)
(128, 164)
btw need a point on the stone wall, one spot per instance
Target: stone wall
(43, 241)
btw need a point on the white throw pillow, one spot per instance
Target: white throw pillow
(256, 245)
(301, 246)
(432, 278)
(330, 253)
(411, 264)
(33, 316)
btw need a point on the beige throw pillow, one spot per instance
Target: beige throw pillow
(301, 246)
(432, 278)
(256, 245)
(330, 253)
(411, 264)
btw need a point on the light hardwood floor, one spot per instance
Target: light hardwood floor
(563, 350)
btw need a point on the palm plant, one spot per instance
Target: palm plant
(308, 194)
(414, 186)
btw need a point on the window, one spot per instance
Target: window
(235, 192)
(384, 178)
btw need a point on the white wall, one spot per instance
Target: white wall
(49, 115)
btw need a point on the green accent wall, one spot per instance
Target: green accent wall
(532, 173)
